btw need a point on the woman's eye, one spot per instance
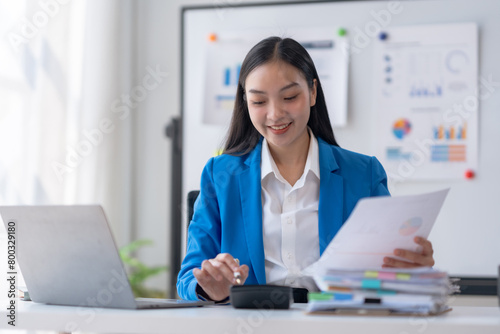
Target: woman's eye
(290, 98)
(257, 102)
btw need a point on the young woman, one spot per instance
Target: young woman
(270, 205)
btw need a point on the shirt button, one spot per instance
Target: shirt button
(289, 221)
(289, 255)
(292, 282)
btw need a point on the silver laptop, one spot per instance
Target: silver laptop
(68, 256)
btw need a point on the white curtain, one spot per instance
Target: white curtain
(66, 133)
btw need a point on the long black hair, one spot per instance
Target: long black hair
(242, 135)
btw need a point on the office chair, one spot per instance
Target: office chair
(191, 198)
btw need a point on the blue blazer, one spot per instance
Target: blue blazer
(228, 212)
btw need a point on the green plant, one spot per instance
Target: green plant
(138, 272)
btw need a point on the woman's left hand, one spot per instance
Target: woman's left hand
(414, 259)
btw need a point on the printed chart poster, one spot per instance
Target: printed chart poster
(225, 54)
(223, 63)
(426, 101)
(329, 53)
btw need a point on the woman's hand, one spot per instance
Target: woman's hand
(216, 276)
(416, 259)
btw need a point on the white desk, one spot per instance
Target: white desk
(225, 319)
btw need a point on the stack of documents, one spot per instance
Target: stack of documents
(421, 291)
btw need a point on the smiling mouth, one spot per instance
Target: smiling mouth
(281, 127)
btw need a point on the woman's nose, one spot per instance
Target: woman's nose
(275, 111)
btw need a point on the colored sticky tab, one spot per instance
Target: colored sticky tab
(339, 288)
(370, 284)
(386, 292)
(319, 296)
(386, 275)
(403, 277)
(342, 296)
(373, 300)
(371, 274)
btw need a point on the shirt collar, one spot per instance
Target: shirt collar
(313, 155)
(268, 165)
(267, 161)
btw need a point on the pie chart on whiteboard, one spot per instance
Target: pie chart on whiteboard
(401, 128)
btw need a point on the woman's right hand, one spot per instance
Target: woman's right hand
(216, 276)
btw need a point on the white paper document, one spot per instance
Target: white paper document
(376, 227)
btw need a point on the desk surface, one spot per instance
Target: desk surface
(225, 319)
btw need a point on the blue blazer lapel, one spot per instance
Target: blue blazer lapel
(251, 204)
(331, 198)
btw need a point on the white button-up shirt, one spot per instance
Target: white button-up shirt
(290, 220)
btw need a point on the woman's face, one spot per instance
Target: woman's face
(279, 102)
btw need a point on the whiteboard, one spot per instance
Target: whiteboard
(466, 236)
